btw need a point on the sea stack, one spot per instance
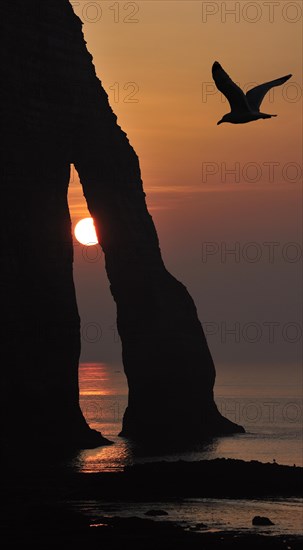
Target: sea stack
(55, 112)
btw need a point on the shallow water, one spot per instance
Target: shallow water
(215, 514)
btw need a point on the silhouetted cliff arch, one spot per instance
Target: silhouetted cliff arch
(55, 112)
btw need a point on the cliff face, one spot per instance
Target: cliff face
(40, 332)
(54, 113)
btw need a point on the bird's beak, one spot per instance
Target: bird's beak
(220, 122)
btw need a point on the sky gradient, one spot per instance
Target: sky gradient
(210, 189)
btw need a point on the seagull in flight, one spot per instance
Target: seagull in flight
(244, 108)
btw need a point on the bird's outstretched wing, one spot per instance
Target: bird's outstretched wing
(232, 92)
(256, 95)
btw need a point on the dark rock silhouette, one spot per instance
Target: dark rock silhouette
(54, 113)
(261, 520)
(156, 513)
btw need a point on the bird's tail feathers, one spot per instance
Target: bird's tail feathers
(266, 115)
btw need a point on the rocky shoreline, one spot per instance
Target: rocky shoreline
(55, 503)
(62, 525)
(220, 478)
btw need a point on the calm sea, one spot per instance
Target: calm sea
(273, 424)
(273, 433)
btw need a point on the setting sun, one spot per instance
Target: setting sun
(85, 232)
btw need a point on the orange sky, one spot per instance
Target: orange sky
(167, 56)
